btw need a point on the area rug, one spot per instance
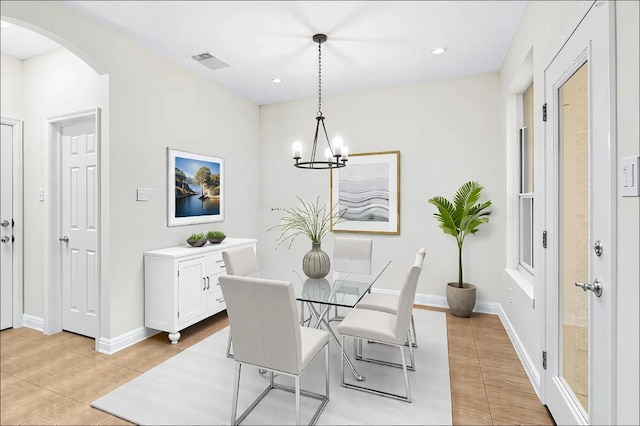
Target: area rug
(195, 387)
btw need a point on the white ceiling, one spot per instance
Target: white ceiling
(370, 43)
(22, 43)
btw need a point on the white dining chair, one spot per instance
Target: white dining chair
(278, 345)
(239, 261)
(352, 255)
(386, 328)
(386, 302)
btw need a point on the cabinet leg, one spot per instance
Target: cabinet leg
(174, 337)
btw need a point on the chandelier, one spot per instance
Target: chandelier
(335, 156)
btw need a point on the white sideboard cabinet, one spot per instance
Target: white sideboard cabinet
(181, 285)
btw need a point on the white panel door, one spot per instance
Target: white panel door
(79, 227)
(6, 228)
(580, 164)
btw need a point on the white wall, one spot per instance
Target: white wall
(54, 83)
(11, 87)
(447, 132)
(153, 104)
(628, 270)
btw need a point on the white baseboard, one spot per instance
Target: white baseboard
(525, 358)
(441, 302)
(30, 321)
(111, 346)
(486, 308)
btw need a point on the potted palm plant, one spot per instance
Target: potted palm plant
(311, 220)
(460, 218)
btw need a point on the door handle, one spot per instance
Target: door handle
(5, 223)
(596, 287)
(64, 239)
(5, 239)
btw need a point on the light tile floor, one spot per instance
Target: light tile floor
(52, 379)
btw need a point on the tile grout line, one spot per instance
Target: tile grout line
(484, 385)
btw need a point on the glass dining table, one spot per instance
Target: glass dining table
(338, 289)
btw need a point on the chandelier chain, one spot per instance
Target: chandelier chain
(319, 79)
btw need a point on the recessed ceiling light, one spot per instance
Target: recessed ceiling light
(276, 80)
(438, 50)
(4, 24)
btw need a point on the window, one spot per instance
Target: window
(525, 193)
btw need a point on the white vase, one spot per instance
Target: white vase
(316, 263)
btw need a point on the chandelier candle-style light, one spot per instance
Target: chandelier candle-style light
(336, 155)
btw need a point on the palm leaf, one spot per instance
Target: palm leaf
(445, 216)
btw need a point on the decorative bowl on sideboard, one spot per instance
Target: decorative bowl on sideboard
(197, 243)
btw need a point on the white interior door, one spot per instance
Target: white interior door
(580, 153)
(79, 260)
(6, 227)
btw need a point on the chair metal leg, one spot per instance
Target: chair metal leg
(360, 357)
(229, 354)
(406, 376)
(336, 317)
(415, 336)
(236, 387)
(342, 360)
(297, 385)
(413, 361)
(326, 368)
(406, 398)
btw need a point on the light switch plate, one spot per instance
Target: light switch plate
(143, 194)
(629, 179)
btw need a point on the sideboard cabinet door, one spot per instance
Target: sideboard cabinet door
(192, 283)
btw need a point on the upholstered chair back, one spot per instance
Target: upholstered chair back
(263, 318)
(408, 295)
(240, 261)
(352, 255)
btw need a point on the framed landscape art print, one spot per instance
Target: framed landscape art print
(195, 191)
(369, 189)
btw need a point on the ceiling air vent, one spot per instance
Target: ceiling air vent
(209, 61)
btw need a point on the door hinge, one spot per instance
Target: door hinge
(178, 314)
(544, 239)
(544, 359)
(544, 112)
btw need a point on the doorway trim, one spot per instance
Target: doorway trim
(52, 283)
(16, 161)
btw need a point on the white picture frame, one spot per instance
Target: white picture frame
(193, 195)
